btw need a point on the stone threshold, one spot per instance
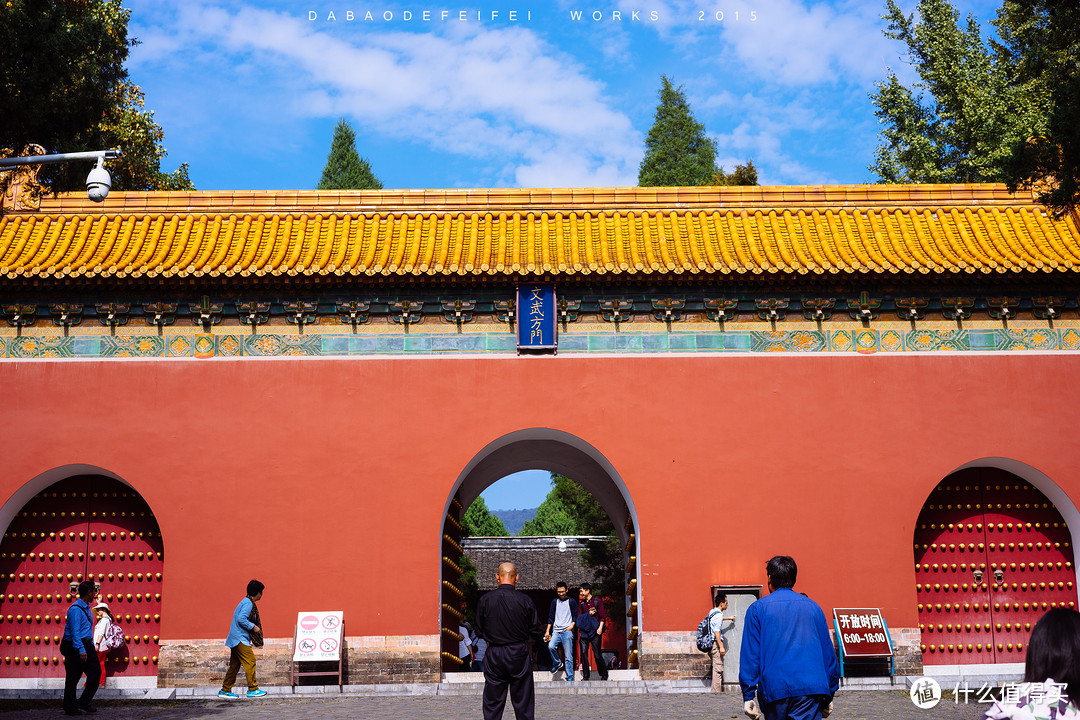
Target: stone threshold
(627, 682)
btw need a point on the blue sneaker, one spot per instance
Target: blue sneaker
(255, 693)
(227, 695)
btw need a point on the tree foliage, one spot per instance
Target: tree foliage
(479, 522)
(967, 113)
(677, 151)
(742, 175)
(570, 509)
(63, 86)
(1004, 110)
(345, 169)
(552, 518)
(1041, 38)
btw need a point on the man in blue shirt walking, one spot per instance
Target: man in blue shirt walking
(239, 642)
(787, 658)
(79, 653)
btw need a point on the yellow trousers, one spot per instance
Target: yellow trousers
(241, 655)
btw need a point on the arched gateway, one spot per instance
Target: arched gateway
(992, 554)
(65, 526)
(305, 386)
(555, 451)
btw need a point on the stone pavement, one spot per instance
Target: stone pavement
(857, 705)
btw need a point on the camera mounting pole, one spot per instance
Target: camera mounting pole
(98, 182)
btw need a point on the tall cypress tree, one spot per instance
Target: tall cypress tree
(677, 151)
(345, 169)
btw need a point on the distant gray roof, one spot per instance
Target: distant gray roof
(540, 564)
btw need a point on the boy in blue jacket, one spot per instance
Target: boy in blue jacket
(239, 643)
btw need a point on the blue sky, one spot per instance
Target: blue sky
(248, 92)
(519, 491)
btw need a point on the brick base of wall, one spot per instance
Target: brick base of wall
(907, 650)
(368, 660)
(673, 655)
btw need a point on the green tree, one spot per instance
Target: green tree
(63, 86)
(470, 587)
(570, 509)
(1041, 38)
(677, 151)
(552, 518)
(742, 175)
(345, 169)
(479, 522)
(967, 113)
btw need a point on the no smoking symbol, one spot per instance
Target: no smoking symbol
(328, 645)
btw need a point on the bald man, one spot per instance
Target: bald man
(507, 619)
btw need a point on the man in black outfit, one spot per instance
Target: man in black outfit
(507, 619)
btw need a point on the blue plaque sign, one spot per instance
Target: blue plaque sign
(537, 318)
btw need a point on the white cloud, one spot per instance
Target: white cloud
(811, 42)
(482, 91)
(793, 42)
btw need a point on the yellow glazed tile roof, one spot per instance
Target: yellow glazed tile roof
(822, 230)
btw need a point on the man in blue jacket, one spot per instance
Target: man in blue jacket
(787, 658)
(80, 655)
(239, 644)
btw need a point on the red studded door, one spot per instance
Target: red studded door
(85, 527)
(992, 554)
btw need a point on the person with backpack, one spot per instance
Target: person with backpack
(710, 635)
(105, 621)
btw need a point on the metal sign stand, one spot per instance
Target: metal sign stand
(882, 656)
(294, 665)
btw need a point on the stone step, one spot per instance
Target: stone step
(557, 687)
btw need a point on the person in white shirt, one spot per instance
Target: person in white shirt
(105, 619)
(717, 652)
(465, 647)
(560, 631)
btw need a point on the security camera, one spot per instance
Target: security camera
(98, 182)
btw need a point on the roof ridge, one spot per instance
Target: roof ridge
(507, 199)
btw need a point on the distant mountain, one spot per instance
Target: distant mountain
(514, 519)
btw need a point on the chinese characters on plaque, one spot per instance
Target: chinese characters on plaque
(862, 632)
(537, 318)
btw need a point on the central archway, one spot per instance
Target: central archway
(558, 452)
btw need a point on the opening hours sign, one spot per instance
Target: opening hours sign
(318, 636)
(861, 632)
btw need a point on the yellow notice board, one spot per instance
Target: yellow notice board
(318, 636)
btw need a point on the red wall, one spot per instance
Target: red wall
(327, 478)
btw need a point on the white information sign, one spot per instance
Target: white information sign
(318, 636)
